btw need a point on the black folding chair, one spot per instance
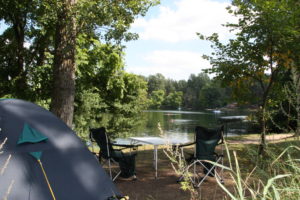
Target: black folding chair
(109, 155)
(206, 141)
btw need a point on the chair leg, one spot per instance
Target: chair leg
(109, 167)
(221, 175)
(210, 171)
(206, 175)
(222, 170)
(113, 177)
(113, 174)
(118, 174)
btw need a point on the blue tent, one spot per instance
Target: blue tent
(43, 159)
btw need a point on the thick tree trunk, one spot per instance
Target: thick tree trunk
(63, 92)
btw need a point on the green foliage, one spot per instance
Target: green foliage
(27, 21)
(284, 107)
(157, 98)
(194, 85)
(265, 35)
(110, 20)
(117, 97)
(88, 105)
(156, 82)
(211, 97)
(252, 54)
(118, 113)
(103, 88)
(198, 92)
(173, 100)
(127, 110)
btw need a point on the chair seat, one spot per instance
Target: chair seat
(205, 142)
(126, 161)
(206, 157)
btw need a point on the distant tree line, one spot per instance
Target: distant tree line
(196, 93)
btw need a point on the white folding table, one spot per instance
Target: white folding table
(155, 141)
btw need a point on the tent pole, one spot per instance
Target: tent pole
(45, 175)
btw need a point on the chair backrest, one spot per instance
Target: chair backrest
(100, 137)
(206, 141)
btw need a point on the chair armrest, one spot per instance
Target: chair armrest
(126, 145)
(186, 144)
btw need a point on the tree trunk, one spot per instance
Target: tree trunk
(296, 82)
(262, 145)
(20, 76)
(63, 92)
(263, 142)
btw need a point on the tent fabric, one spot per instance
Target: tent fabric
(36, 154)
(72, 170)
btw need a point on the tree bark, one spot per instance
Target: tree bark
(63, 92)
(19, 23)
(296, 82)
(263, 142)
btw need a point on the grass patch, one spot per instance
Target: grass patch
(274, 175)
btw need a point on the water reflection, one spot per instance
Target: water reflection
(170, 112)
(181, 124)
(181, 121)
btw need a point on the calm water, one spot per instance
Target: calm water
(181, 124)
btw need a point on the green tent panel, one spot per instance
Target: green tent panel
(30, 135)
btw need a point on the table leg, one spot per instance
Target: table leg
(155, 160)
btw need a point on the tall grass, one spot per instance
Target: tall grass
(275, 176)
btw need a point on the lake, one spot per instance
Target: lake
(181, 124)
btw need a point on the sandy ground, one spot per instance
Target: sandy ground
(256, 140)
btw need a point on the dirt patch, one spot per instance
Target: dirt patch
(165, 187)
(256, 139)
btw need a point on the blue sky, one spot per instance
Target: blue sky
(168, 43)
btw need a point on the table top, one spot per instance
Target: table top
(156, 140)
(233, 118)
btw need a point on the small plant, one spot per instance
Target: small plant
(179, 165)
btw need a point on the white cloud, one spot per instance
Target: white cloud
(176, 65)
(187, 18)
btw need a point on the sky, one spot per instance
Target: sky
(168, 43)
